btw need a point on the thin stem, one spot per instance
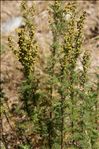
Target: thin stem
(62, 123)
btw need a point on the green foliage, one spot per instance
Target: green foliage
(2, 49)
(24, 147)
(60, 105)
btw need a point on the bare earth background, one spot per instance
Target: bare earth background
(11, 69)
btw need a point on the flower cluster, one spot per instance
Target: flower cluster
(27, 46)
